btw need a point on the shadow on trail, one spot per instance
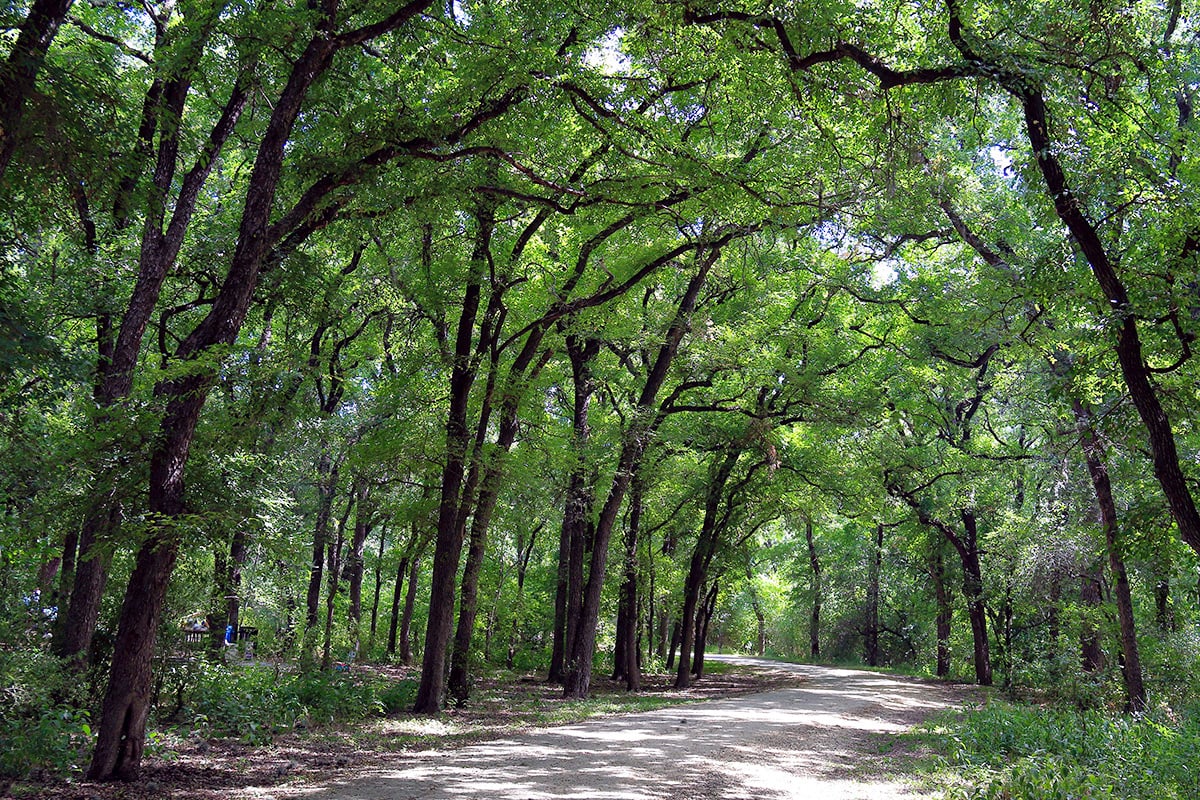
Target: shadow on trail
(814, 741)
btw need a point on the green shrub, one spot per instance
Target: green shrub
(244, 702)
(44, 724)
(398, 696)
(1022, 752)
(329, 696)
(254, 702)
(58, 740)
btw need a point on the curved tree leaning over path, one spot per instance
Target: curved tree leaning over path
(122, 724)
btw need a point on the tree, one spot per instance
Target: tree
(20, 70)
(122, 722)
(270, 269)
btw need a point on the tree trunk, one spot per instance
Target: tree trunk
(1094, 455)
(89, 576)
(450, 528)
(378, 588)
(945, 610)
(226, 608)
(620, 640)
(814, 625)
(578, 678)
(706, 546)
(333, 574)
(20, 70)
(973, 591)
(1134, 369)
(627, 637)
(652, 641)
(871, 628)
(238, 552)
(218, 604)
(411, 550)
(410, 602)
(121, 733)
(524, 555)
(1091, 599)
(760, 616)
(118, 352)
(1054, 619)
(1164, 615)
(126, 706)
(522, 371)
(397, 595)
(966, 545)
(62, 594)
(287, 636)
(1004, 623)
(676, 638)
(327, 486)
(363, 524)
(577, 508)
(707, 609)
(458, 685)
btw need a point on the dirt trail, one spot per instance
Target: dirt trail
(818, 741)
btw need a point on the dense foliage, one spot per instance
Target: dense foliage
(1023, 753)
(575, 339)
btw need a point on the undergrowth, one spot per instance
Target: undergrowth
(1006, 751)
(44, 724)
(254, 702)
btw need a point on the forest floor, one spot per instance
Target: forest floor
(768, 730)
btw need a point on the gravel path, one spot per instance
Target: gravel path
(821, 740)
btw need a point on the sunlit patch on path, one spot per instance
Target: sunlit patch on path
(820, 741)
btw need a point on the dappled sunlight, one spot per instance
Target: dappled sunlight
(761, 780)
(419, 726)
(819, 740)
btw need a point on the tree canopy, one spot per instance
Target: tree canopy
(587, 336)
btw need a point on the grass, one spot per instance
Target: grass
(1009, 751)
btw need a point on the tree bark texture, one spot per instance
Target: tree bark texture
(1094, 455)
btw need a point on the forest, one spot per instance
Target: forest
(581, 340)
